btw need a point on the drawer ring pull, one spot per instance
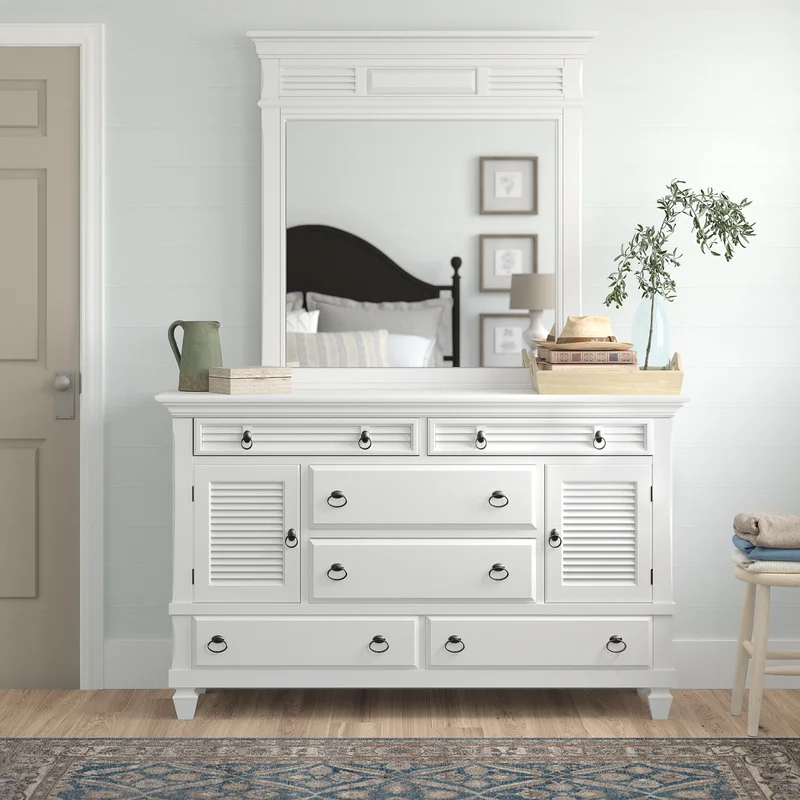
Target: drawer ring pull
(616, 640)
(364, 442)
(498, 495)
(217, 639)
(291, 539)
(498, 568)
(379, 640)
(337, 568)
(598, 442)
(555, 539)
(455, 640)
(336, 495)
(480, 441)
(247, 440)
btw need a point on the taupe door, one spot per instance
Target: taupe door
(39, 327)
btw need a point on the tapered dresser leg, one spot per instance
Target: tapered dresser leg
(659, 701)
(185, 701)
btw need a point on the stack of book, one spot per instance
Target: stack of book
(573, 360)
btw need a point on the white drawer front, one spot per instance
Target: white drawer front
(415, 569)
(539, 641)
(508, 437)
(306, 437)
(453, 496)
(305, 641)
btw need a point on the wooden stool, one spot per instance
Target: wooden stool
(753, 643)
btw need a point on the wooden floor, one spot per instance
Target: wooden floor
(390, 713)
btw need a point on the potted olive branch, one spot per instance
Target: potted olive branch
(716, 221)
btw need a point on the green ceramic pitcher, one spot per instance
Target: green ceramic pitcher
(201, 350)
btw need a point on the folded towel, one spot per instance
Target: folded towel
(769, 530)
(776, 567)
(765, 553)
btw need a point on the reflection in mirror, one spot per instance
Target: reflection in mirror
(411, 243)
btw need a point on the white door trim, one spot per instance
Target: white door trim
(90, 38)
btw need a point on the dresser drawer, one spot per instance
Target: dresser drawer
(305, 642)
(258, 437)
(397, 497)
(539, 641)
(417, 569)
(509, 437)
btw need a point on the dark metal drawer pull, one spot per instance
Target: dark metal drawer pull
(455, 640)
(598, 442)
(217, 639)
(498, 568)
(480, 441)
(555, 539)
(337, 568)
(247, 440)
(364, 442)
(379, 640)
(336, 495)
(291, 539)
(616, 640)
(498, 495)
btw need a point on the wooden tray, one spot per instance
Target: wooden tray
(650, 381)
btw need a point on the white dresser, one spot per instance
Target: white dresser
(361, 537)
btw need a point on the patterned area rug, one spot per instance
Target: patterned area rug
(400, 769)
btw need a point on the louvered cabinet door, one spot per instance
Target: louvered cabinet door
(242, 517)
(598, 537)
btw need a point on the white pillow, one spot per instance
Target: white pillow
(342, 349)
(406, 350)
(302, 321)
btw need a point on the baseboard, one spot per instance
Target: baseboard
(143, 664)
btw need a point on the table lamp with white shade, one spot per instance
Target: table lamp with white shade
(535, 292)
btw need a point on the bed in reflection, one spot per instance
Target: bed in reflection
(349, 305)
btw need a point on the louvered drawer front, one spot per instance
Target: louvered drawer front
(529, 642)
(508, 437)
(598, 533)
(422, 496)
(243, 515)
(306, 437)
(306, 642)
(414, 569)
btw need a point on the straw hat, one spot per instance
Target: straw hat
(584, 333)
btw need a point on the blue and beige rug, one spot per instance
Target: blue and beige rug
(400, 769)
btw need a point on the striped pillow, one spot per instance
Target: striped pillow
(338, 349)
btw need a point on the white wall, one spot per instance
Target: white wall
(411, 189)
(705, 90)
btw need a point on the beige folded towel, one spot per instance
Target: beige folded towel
(768, 530)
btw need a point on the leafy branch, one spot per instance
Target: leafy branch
(718, 223)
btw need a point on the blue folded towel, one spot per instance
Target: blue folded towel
(765, 553)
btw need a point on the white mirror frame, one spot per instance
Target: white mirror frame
(432, 75)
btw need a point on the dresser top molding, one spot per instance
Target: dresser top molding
(419, 401)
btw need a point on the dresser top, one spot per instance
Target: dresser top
(418, 401)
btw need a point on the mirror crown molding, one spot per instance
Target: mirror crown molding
(418, 75)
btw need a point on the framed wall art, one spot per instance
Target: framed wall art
(504, 255)
(508, 184)
(501, 339)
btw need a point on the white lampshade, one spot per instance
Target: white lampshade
(533, 291)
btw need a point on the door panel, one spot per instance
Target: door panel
(602, 516)
(39, 327)
(242, 516)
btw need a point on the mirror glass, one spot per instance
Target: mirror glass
(419, 243)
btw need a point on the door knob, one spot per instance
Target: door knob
(62, 382)
(64, 398)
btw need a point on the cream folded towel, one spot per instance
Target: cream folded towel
(775, 567)
(768, 530)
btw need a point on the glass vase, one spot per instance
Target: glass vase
(660, 346)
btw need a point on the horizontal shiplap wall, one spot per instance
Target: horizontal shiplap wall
(704, 90)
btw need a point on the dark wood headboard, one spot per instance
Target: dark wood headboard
(328, 260)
